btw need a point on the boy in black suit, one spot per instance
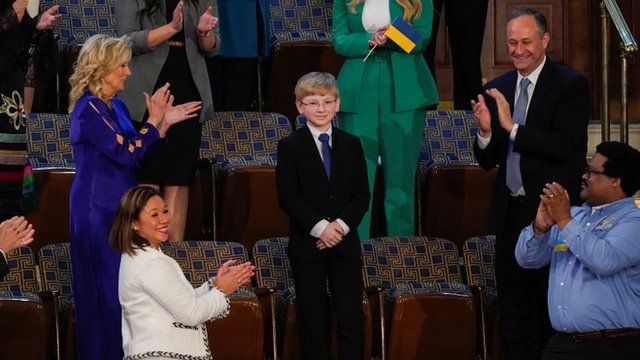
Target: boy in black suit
(322, 186)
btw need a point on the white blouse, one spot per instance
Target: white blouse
(375, 15)
(162, 314)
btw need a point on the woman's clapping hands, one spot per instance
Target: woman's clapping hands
(162, 112)
(230, 277)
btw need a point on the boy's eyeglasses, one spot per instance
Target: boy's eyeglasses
(316, 105)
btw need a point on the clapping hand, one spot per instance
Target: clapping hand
(19, 7)
(176, 21)
(48, 19)
(207, 22)
(14, 233)
(178, 113)
(504, 110)
(556, 200)
(229, 277)
(482, 115)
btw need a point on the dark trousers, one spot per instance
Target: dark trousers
(465, 24)
(522, 294)
(345, 284)
(620, 348)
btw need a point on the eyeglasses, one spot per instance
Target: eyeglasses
(313, 105)
(588, 171)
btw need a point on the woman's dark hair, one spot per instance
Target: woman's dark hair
(152, 6)
(623, 162)
(122, 237)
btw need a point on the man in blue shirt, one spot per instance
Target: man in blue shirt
(594, 252)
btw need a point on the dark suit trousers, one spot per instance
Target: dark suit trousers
(345, 284)
(465, 24)
(522, 293)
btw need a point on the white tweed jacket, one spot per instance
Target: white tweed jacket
(162, 314)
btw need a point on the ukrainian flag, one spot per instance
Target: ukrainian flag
(403, 34)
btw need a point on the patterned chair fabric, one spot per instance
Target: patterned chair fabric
(22, 276)
(390, 261)
(200, 260)
(82, 19)
(447, 138)
(55, 267)
(252, 136)
(479, 259)
(272, 262)
(48, 141)
(296, 20)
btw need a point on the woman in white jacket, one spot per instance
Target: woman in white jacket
(162, 314)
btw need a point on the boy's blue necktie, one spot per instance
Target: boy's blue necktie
(514, 178)
(326, 153)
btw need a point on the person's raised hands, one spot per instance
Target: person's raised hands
(48, 19)
(19, 7)
(229, 277)
(178, 113)
(177, 20)
(207, 22)
(14, 233)
(504, 110)
(482, 115)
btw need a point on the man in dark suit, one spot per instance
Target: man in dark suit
(14, 232)
(322, 185)
(544, 139)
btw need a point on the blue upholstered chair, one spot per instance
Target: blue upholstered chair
(50, 153)
(244, 146)
(240, 335)
(422, 306)
(23, 318)
(80, 20)
(479, 263)
(454, 193)
(274, 276)
(55, 271)
(300, 43)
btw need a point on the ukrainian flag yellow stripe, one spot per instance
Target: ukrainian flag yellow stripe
(399, 38)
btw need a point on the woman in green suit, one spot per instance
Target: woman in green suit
(384, 99)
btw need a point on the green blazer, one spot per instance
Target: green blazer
(414, 86)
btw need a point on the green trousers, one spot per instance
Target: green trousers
(394, 137)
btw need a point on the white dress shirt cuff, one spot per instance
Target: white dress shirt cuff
(344, 226)
(483, 141)
(514, 131)
(318, 229)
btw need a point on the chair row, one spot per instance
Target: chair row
(417, 302)
(300, 42)
(234, 195)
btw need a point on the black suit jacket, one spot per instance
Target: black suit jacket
(4, 267)
(553, 141)
(307, 196)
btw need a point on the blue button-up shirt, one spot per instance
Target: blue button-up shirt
(594, 279)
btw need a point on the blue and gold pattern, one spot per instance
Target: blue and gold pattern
(479, 258)
(48, 141)
(390, 261)
(82, 19)
(296, 20)
(200, 260)
(272, 264)
(251, 135)
(447, 138)
(22, 276)
(55, 267)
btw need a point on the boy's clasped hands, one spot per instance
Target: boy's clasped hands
(331, 236)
